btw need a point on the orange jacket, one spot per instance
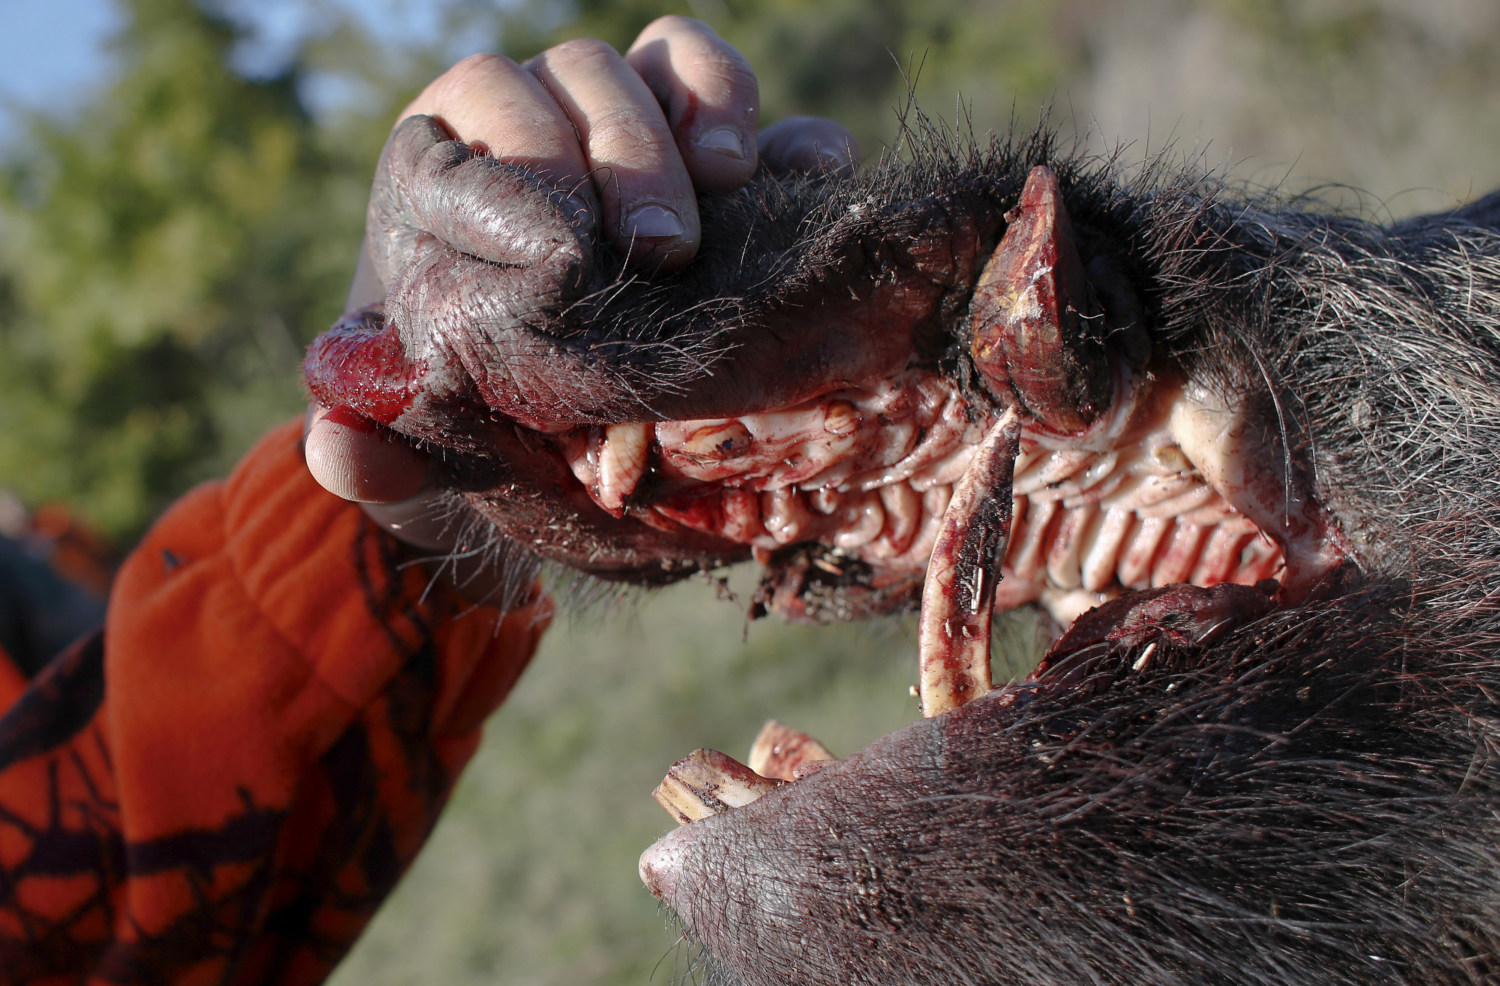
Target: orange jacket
(223, 785)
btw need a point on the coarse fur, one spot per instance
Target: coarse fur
(1310, 799)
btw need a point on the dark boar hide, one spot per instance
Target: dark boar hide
(1259, 438)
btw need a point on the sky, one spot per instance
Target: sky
(52, 51)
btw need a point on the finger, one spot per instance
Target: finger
(710, 96)
(809, 143)
(492, 103)
(354, 458)
(649, 209)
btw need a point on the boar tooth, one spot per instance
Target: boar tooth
(840, 418)
(785, 515)
(903, 515)
(622, 463)
(779, 750)
(727, 439)
(825, 500)
(958, 596)
(707, 782)
(1140, 662)
(862, 520)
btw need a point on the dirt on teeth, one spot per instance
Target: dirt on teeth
(707, 782)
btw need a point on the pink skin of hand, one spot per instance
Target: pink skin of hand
(639, 134)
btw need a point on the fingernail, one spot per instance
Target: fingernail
(653, 222)
(722, 140)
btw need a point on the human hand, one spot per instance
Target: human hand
(635, 136)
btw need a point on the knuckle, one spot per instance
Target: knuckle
(676, 24)
(725, 66)
(625, 135)
(476, 72)
(473, 69)
(581, 52)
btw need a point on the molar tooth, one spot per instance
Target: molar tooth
(825, 499)
(785, 515)
(580, 450)
(1168, 459)
(707, 782)
(840, 418)
(717, 442)
(622, 463)
(742, 522)
(863, 517)
(903, 515)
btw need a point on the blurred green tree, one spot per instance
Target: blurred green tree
(164, 254)
(167, 251)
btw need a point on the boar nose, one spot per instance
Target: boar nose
(663, 861)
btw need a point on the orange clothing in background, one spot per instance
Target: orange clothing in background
(223, 785)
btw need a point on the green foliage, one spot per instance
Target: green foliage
(167, 252)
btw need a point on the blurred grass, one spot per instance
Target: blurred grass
(531, 875)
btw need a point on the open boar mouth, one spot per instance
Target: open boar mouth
(963, 385)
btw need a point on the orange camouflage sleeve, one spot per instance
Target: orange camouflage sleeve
(224, 784)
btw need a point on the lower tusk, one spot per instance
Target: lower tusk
(959, 594)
